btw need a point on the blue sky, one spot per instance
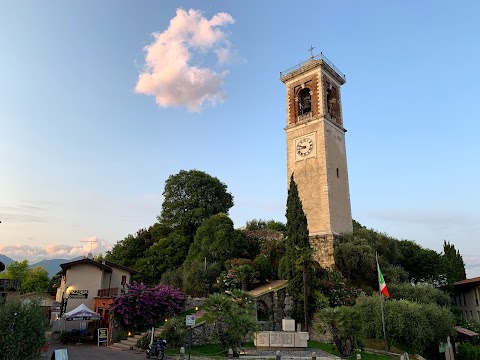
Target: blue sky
(96, 112)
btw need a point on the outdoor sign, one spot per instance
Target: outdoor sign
(60, 354)
(102, 336)
(78, 294)
(63, 307)
(190, 320)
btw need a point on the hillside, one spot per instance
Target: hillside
(51, 265)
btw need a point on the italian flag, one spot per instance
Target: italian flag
(381, 282)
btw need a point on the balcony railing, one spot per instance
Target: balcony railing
(319, 57)
(9, 285)
(112, 292)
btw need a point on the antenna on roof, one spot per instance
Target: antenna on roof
(90, 241)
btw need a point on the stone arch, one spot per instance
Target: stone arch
(304, 101)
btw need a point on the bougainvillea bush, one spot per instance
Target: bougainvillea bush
(143, 306)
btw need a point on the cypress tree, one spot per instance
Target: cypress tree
(297, 264)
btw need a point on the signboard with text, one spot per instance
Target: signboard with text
(78, 294)
(102, 336)
(63, 306)
(190, 320)
(59, 354)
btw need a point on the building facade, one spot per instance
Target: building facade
(92, 283)
(316, 151)
(467, 298)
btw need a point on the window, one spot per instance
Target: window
(124, 279)
(464, 301)
(475, 290)
(338, 173)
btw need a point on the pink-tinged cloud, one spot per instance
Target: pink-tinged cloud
(168, 73)
(55, 251)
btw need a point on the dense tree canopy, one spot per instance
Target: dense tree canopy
(410, 325)
(129, 250)
(191, 197)
(31, 280)
(166, 253)
(422, 265)
(265, 225)
(455, 267)
(37, 280)
(216, 240)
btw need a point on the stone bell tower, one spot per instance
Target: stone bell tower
(316, 153)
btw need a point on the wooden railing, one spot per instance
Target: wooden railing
(9, 285)
(112, 292)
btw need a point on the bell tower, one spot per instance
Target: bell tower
(316, 152)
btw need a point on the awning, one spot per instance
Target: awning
(464, 331)
(82, 312)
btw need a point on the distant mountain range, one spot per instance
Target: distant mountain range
(52, 265)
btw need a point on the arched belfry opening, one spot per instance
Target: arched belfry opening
(304, 98)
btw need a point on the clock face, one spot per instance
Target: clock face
(304, 147)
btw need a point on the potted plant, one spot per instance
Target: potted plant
(64, 337)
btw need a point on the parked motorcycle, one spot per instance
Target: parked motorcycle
(157, 349)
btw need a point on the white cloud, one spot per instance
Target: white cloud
(169, 75)
(55, 251)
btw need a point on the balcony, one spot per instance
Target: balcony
(9, 285)
(111, 292)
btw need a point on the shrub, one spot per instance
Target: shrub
(22, 329)
(175, 331)
(142, 306)
(144, 341)
(468, 351)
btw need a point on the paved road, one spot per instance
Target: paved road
(90, 351)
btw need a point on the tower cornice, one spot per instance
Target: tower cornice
(319, 61)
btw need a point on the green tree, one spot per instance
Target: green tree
(166, 253)
(265, 225)
(198, 277)
(54, 284)
(297, 264)
(22, 329)
(455, 266)
(410, 325)
(36, 280)
(421, 293)
(17, 270)
(234, 317)
(127, 251)
(356, 261)
(216, 240)
(345, 323)
(191, 197)
(422, 265)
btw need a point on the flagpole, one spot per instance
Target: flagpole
(381, 307)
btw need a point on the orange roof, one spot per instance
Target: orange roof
(467, 281)
(464, 331)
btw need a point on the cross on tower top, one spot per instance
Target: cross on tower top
(311, 51)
